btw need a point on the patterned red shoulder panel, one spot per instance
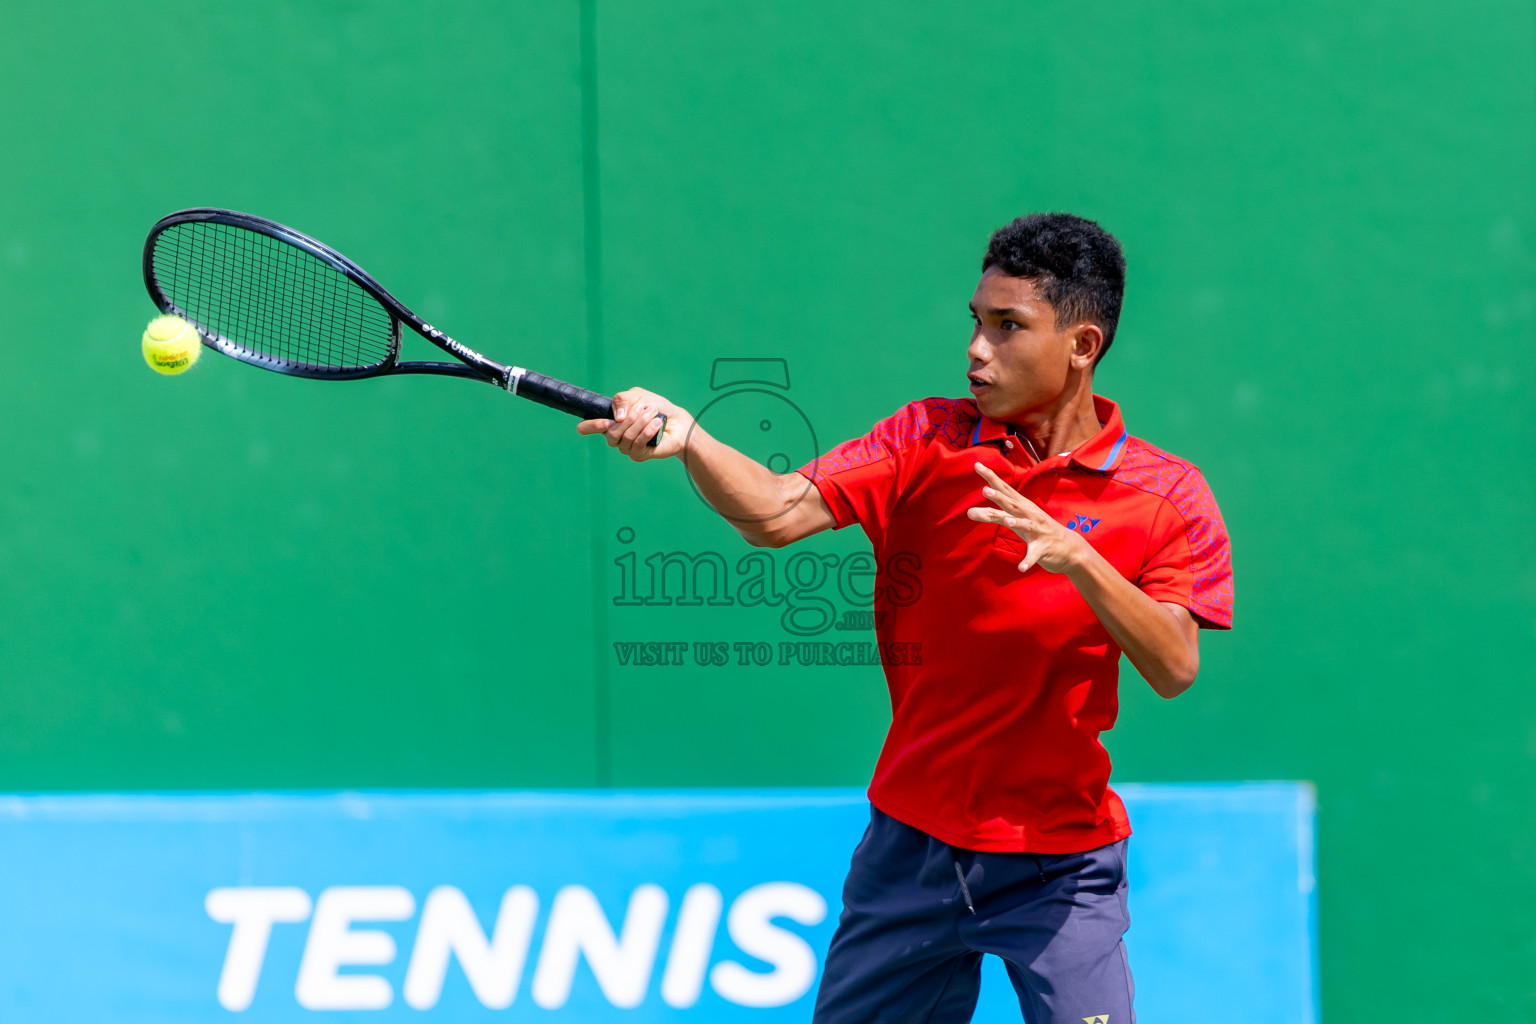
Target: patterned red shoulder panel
(1179, 482)
(914, 423)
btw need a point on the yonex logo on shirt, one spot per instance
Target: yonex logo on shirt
(1102, 1018)
(1084, 524)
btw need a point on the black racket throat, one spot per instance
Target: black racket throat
(276, 298)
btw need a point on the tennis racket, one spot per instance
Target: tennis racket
(275, 298)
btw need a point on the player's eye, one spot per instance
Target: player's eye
(1011, 325)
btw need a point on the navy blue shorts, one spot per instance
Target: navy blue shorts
(918, 915)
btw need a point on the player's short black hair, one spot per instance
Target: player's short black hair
(1077, 265)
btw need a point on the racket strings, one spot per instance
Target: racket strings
(271, 298)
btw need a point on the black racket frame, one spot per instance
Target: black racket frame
(536, 387)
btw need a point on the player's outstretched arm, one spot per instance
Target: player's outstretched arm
(768, 509)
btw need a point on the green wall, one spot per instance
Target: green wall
(235, 580)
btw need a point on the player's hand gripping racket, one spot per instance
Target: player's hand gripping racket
(278, 299)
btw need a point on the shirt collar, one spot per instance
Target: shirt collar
(1101, 452)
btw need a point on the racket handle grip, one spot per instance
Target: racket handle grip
(557, 394)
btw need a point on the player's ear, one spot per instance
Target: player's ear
(1087, 342)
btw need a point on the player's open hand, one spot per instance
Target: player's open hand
(635, 422)
(1052, 546)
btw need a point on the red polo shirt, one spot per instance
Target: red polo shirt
(994, 739)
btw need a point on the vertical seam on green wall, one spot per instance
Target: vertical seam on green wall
(592, 256)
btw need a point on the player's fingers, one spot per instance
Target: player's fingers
(1023, 527)
(593, 426)
(1029, 508)
(629, 398)
(644, 415)
(638, 420)
(993, 479)
(995, 496)
(1008, 503)
(998, 517)
(1019, 506)
(1029, 560)
(641, 449)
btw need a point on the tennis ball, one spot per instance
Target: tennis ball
(171, 345)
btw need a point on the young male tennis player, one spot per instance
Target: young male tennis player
(1050, 540)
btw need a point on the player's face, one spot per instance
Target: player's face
(1020, 361)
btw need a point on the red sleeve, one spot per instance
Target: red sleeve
(858, 477)
(1189, 561)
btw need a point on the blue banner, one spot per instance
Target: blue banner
(711, 906)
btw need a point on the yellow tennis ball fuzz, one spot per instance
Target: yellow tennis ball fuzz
(171, 345)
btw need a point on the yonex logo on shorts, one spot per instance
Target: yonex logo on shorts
(1102, 1018)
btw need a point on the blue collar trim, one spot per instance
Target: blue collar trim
(1114, 452)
